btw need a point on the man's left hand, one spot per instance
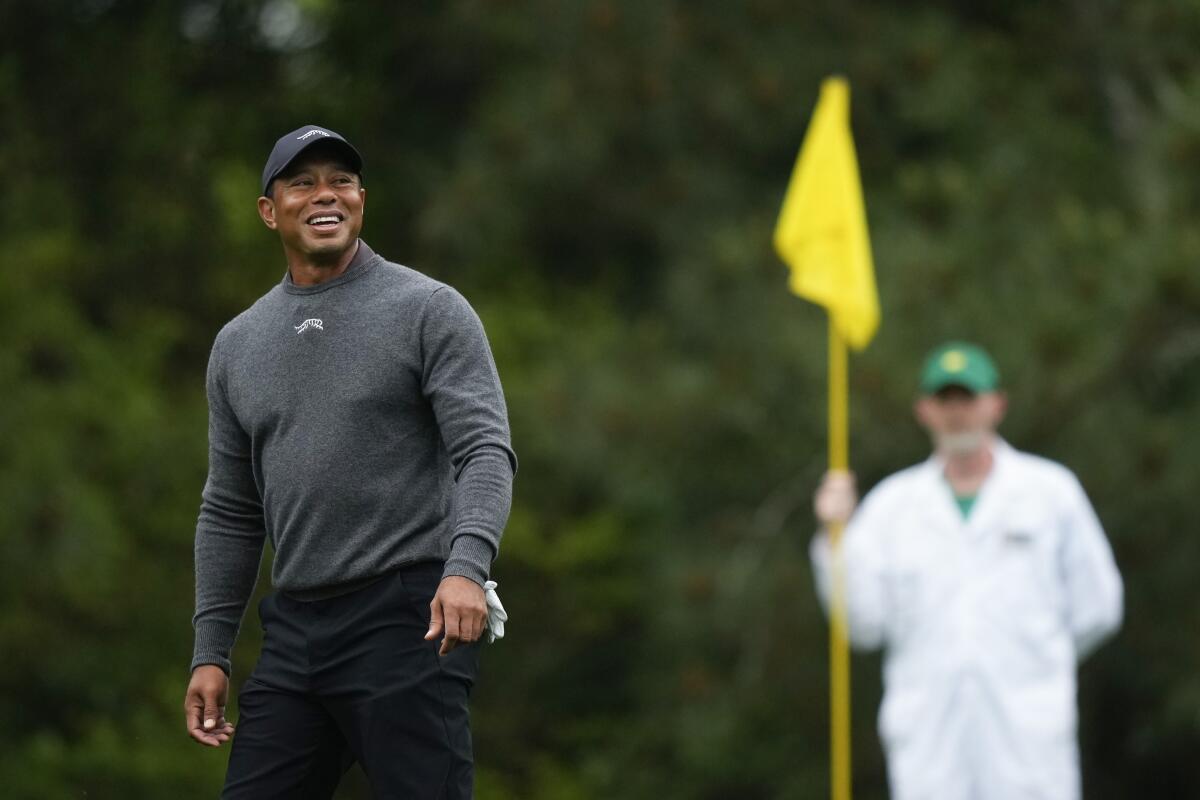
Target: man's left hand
(457, 612)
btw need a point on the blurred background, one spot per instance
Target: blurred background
(601, 178)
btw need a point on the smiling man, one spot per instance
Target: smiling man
(985, 576)
(356, 420)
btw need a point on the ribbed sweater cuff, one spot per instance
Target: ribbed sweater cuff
(470, 557)
(214, 640)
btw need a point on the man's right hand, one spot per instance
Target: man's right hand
(204, 706)
(835, 498)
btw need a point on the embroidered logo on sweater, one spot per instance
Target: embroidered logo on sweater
(310, 323)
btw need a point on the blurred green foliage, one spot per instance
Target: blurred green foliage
(601, 178)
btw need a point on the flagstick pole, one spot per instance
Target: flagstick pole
(839, 649)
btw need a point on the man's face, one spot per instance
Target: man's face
(958, 420)
(316, 204)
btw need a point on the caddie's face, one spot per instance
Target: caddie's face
(959, 420)
(316, 205)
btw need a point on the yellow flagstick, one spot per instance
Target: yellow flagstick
(822, 236)
(839, 646)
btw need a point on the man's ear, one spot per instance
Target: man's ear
(921, 410)
(999, 404)
(266, 211)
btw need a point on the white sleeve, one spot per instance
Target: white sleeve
(862, 559)
(1094, 593)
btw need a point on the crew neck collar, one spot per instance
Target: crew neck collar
(364, 259)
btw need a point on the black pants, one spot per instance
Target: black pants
(351, 679)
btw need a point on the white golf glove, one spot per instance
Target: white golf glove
(497, 616)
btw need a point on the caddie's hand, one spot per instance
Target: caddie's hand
(836, 497)
(457, 612)
(204, 706)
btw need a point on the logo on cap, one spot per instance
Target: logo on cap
(954, 361)
(313, 132)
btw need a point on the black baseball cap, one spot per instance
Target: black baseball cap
(293, 144)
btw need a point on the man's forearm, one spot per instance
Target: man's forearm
(482, 500)
(226, 570)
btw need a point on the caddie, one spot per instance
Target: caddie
(984, 575)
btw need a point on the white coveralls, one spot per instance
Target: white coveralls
(982, 621)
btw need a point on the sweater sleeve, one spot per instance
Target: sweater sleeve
(229, 531)
(460, 381)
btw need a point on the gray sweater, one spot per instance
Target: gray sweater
(360, 424)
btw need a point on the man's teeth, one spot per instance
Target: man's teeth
(323, 220)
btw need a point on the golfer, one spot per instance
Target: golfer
(356, 420)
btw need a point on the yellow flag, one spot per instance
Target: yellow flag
(822, 228)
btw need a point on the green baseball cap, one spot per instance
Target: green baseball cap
(959, 364)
